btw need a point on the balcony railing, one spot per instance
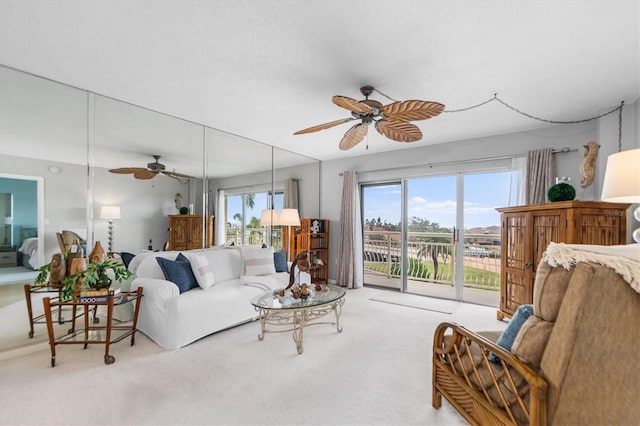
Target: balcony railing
(431, 257)
(253, 236)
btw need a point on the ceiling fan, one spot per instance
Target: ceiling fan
(390, 120)
(152, 170)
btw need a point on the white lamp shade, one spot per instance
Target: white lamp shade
(289, 217)
(622, 177)
(8, 220)
(269, 217)
(110, 212)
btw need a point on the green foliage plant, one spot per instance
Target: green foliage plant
(95, 272)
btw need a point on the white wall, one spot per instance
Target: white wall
(574, 136)
(144, 204)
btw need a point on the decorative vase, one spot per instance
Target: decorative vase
(98, 254)
(57, 270)
(75, 252)
(78, 264)
(562, 190)
(103, 282)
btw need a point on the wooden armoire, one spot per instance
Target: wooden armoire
(185, 231)
(528, 230)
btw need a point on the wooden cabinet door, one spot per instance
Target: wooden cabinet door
(179, 234)
(516, 260)
(195, 233)
(547, 226)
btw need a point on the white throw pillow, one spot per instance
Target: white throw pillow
(259, 261)
(202, 271)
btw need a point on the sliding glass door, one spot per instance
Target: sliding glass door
(431, 224)
(382, 237)
(436, 236)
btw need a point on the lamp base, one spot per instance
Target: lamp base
(636, 234)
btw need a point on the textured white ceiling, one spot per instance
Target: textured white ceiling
(264, 69)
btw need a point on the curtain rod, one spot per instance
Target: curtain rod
(475, 160)
(257, 184)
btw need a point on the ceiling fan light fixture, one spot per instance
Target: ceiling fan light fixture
(391, 120)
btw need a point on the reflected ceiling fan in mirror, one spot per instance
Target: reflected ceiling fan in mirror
(151, 171)
(390, 120)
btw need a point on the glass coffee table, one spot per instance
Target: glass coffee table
(295, 314)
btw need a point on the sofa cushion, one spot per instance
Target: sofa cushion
(259, 261)
(509, 334)
(145, 264)
(531, 341)
(202, 271)
(178, 272)
(280, 261)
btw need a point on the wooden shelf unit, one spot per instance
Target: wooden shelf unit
(185, 232)
(528, 230)
(315, 241)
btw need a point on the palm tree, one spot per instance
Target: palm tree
(237, 217)
(250, 200)
(427, 250)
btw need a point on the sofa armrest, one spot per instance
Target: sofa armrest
(508, 392)
(157, 291)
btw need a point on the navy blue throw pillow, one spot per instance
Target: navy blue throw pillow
(280, 261)
(178, 272)
(509, 334)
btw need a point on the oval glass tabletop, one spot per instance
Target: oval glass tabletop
(271, 299)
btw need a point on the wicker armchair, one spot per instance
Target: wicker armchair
(573, 362)
(483, 392)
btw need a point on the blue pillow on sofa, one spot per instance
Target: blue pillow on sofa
(509, 334)
(178, 272)
(280, 261)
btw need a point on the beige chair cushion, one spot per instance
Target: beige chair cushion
(531, 341)
(548, 291)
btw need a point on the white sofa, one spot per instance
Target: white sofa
(173, 319)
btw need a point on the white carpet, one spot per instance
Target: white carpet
(417, 302)
(376, 372)
(14, 323)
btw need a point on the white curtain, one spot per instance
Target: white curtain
(518, 181)
(539, 175)
(290, 193)
(350, 268)
(221, 219)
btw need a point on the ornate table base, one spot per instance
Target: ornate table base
(296, 319)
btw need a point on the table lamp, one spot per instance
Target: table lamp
(622, 181)
(110, 213)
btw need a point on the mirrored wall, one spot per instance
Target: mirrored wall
(60, 144)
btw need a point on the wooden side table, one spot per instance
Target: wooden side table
(29, 290)
(83, 336)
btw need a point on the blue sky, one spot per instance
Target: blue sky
(434, 198)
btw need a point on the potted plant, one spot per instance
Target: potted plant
(96, 276)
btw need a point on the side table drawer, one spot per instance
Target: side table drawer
(8, 258)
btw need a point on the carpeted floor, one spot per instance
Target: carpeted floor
(376, 372)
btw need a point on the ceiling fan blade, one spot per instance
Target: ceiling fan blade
(412, 110)
(126, 170)
(144, 174)
(352, 105)
(176, 175)
(324, 126)
(353, 136)
(400, 131)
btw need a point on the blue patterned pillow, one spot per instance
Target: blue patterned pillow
(280, 261)
(178, 272)
(509, 334)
